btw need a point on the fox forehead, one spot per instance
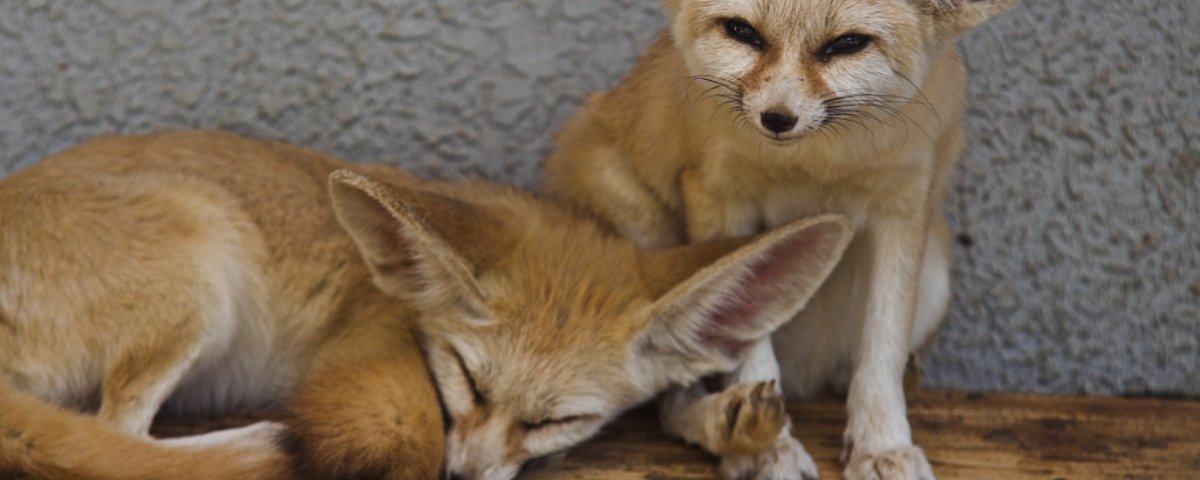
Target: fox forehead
(563, 311)
(558, 289)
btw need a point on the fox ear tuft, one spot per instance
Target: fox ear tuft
(420, 246)
(957, 16)
(727, 296)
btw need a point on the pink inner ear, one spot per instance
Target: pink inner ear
(741, 309)
(401, 257)
(734, 314)
(738, 311)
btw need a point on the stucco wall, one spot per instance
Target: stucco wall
(1079, 262)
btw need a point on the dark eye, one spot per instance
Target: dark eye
(741, 31)
(848, 44)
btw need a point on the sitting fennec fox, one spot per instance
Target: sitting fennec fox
(748, 114)
(206, 273)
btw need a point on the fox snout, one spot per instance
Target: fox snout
(779, 122)
(782, 104)
(784, 120)
(483, 452)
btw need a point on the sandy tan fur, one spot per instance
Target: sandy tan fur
(206, 273)
(42, 442)
(676, 154)
(172, 252)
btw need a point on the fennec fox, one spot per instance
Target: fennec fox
(205, 273)
(748, 114)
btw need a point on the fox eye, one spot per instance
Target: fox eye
(741, 31)
(848, 44)
(557, 421)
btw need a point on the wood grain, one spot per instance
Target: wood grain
(995, 436)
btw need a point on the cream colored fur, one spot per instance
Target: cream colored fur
(203, 273)
(683, 151)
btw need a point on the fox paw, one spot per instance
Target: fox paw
(905, 463)
(751, 417)
(786, 461)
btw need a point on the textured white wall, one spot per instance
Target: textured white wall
(1079, 265)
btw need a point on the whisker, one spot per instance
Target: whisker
(859, 108)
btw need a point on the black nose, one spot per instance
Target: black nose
(779, 122)
(457, 476)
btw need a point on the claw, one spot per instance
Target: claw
(732, 414)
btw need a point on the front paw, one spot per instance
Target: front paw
(786, 461)
(750, 420)
(905, 463)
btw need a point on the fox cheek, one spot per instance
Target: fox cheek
(455, 456)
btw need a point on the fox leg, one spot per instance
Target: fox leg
(140, 382)
(746, 425)
(741, 420)
(138, 385)
(172, 335)
(878, 440)
(786, 456)
(779, 456)
(189, 322)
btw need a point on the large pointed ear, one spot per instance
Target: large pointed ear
(954, 17)
(719, 299)
(420, 246)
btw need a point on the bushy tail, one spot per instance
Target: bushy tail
(39, 441)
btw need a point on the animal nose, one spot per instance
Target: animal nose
(457, 476)
(779, 122)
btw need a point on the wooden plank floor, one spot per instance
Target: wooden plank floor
(996, 437)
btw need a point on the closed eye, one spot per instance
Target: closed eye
(462, 365)
(558, 422)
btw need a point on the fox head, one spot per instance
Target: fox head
(790, 67)
(540, 328)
